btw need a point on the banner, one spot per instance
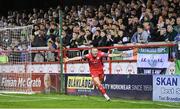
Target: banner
(83, 68)
(124, 68)
(79, 82)
(129, 86)
(152, 57)
(152, 60)
(30, 68)
(119, 86)
(166, 88)
(131, 54)
(151, 70)
(29, 82)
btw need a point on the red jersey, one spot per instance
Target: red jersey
(95, 63)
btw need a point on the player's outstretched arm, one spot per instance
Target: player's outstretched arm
(116, 55)
(72, 59)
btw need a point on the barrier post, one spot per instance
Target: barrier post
(62, 86)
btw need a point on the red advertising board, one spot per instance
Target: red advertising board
(29, 82)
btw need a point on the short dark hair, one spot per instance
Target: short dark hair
(51, 30)
(140, 26)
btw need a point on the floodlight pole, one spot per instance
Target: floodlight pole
(62, 86)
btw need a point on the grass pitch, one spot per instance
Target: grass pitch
(68, 101)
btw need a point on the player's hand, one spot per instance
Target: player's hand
(66, 59)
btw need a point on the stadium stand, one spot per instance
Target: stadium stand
(118, 22)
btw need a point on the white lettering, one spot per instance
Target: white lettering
(34, 83)
(120, 87)
(137, 87)
(21, 82)
(8, 82)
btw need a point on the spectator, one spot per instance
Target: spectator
(87, 22)
(140, 36)
(135, 36)
(162, 35)
(88, 38)
(171, 33)
(143, 36)
(65, 39)
(51, 35)
(57, 43)
(177, 27)
(102, 41)
(73, 41)
(49, 55)
(160, 22)
(81, 37)
(118, 37)
(109, 41)
(150, 31)
(96, 38)
(39, 39)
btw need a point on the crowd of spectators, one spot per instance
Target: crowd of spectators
(119, 22)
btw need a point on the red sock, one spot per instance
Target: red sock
(101, 89)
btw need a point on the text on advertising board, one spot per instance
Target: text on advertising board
(80, 82)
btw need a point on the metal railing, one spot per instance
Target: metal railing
(131, 49)
(45, 56)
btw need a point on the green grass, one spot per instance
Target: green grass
(67, 101)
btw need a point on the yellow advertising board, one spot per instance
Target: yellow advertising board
(79, 82)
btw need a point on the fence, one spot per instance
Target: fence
(46, 56)
(109, 63)
(18, 67)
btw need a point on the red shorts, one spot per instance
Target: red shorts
(98, 74)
